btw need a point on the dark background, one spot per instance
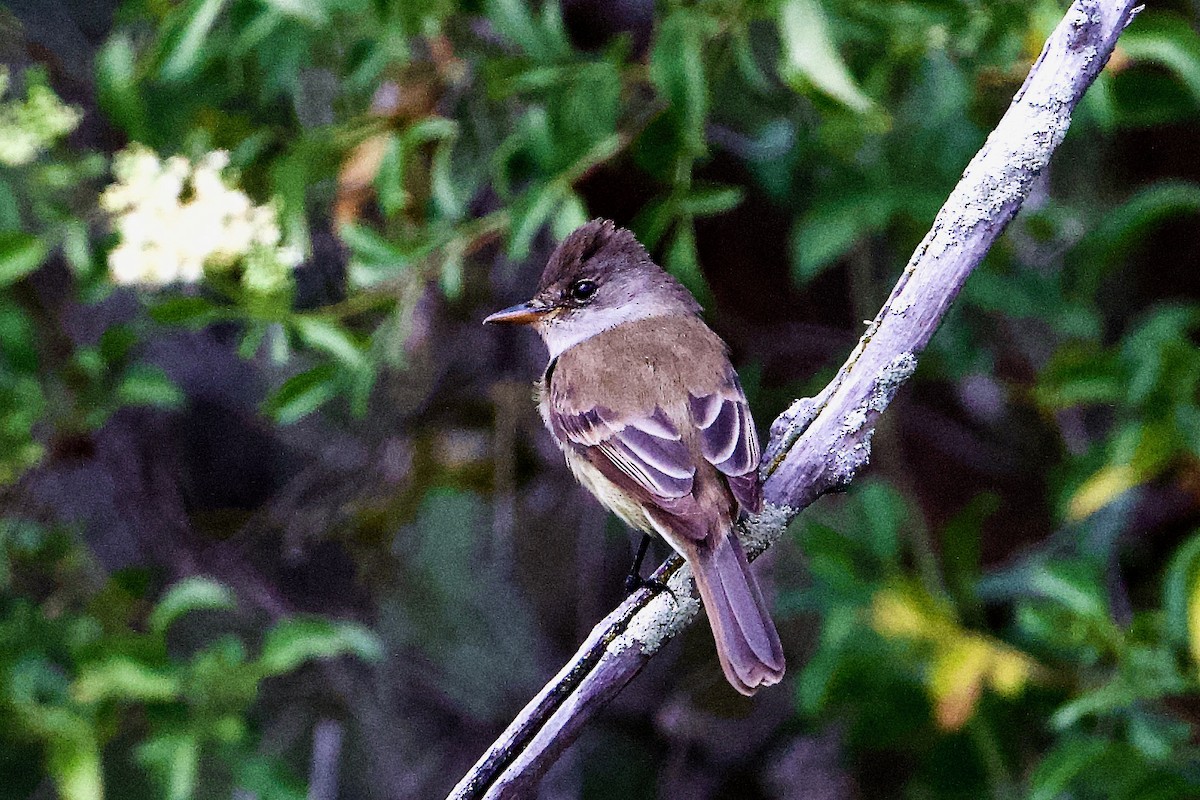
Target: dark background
(397, 531)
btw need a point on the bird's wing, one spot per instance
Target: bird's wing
(728, 439)
(649, 451)
(646, 449)
(680, 410)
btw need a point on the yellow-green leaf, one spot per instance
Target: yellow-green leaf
(20, 254)
(1193, 618)
(811, 57)
(1101, 489)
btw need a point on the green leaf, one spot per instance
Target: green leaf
(375, 259)
(20, 254)
(1147, 347)
(307, 162)
(542, 40)
(747, 63)
(303, 394)
(368, 245)
(1115, 696)
(389, 180)
(116, 343)
(653, 221)
(885, 515)
(1074, 585)
(448, 197)
(683, 261)
(1179, 585)
(309, 12)
(278, 344)
(1170, 42)
(117, 86)
(1059, 768)
(10, 208)
(293, 642)
(571, 214)
(1098, 105)
(189, 312)
(961, 540)
(329, 337)
(811, 57)
(677, 69)
(1079, 375)
(175, 757)
(1127, 225)
(704, 201)
(77, 248)
(186, 596)
(450, 275)
(820, 674)
(148, 385)
(124, 680)
(269, 777)
(529, 213)
(74, 764)
(430, 129)
(181, 59)
(252, 338)
(829, 230)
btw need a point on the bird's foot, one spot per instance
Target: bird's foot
(635, 582)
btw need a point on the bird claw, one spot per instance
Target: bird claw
(635, 582)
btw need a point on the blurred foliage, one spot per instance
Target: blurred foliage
(85, 661)
(1099, 689)
(415, 134)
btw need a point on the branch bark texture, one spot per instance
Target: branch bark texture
(819, 444)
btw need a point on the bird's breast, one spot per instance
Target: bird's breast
(608, 493)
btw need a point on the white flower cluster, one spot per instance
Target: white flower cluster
(176, 219)
(29, 126)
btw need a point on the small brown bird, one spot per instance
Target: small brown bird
(640, 396)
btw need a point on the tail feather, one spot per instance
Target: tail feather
(747, 642)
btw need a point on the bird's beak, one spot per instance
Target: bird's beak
(520, 314)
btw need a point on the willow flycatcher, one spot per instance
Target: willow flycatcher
(640, 396)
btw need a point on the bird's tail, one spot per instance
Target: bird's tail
(747, 642)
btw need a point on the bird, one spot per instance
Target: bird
(640, 396)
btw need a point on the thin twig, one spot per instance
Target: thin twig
(819, 444)
(326, 753)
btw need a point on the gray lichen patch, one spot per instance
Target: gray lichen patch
(890, 379)
(762, 530)
(846, 462)
(663, 617)
(799, 415)
(1000, 174)
(854, 421)
(790, 426)
(1081, 18)
(853, 450)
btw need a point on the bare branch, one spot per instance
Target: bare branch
(326, 752)
(820, 444)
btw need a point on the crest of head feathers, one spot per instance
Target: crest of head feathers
(618, 248)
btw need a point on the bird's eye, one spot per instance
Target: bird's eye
(582, 290)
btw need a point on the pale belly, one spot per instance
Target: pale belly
(604, 490)
(609, 495)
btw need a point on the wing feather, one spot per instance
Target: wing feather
(648, 450)
(729, 441)
(661, 453)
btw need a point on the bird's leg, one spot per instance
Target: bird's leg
(635, 581)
